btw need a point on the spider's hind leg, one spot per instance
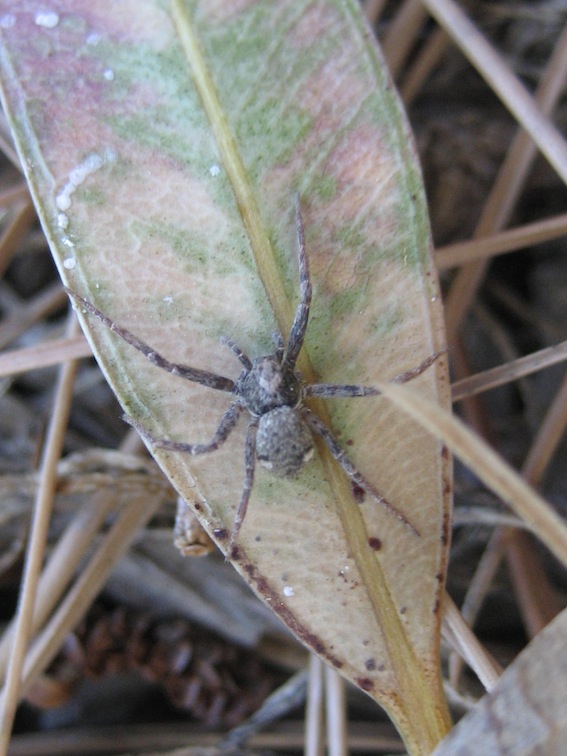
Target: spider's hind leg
(250, 466)
(318, 427)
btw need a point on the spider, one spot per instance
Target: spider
(281, 428)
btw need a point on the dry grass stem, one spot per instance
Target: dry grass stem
(59, 571)
(81, 595)
(402, 33)
(487, 465)
(7, 143)
(511, 371)
(493, 68)
(506, 190)
(538, 601)
(373, 9)
(24, 216)
(14, 195)
(457, 633)
(462, 253)
(314, 739)
(43, 355)
(336, 713)
(36, 545)
(425, 63)
(48, 301)
(548, 437)
(477, 590)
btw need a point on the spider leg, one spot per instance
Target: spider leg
(277, 338)
(237, 351)
(351, 391)
(409, 375)
(226, 425)
(297, 333)
(211, 380)
(250, 465)
(330, 390)
(318, 427)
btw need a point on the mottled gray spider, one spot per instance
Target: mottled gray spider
(280, 432)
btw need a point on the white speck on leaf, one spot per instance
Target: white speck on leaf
(47, 19)
(94, 38)
(288, 590)
(215, 170)
(69, 263)
(109, 74)
(62, 220)
(91, 164)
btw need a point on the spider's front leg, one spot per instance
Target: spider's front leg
(297, 333)
(204, 377)
(318, 427)
(237, 352)
(226, 425)
(351, 391)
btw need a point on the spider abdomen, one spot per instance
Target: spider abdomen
(284, 442)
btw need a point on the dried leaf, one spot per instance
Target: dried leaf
(164, 144)
(525, 713)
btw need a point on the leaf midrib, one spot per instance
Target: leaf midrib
(404, 662)
(237, 174)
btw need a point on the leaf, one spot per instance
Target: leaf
(163, 145)
(496, 473)
(525, 713)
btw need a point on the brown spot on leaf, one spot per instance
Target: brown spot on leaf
(365, 683)
(236, 554)
(375, 543)
(445, 528)
(358, 493)
(270, 595)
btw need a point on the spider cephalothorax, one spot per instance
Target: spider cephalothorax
(268, 384)
(281, 427)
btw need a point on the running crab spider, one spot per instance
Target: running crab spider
(281, 428)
